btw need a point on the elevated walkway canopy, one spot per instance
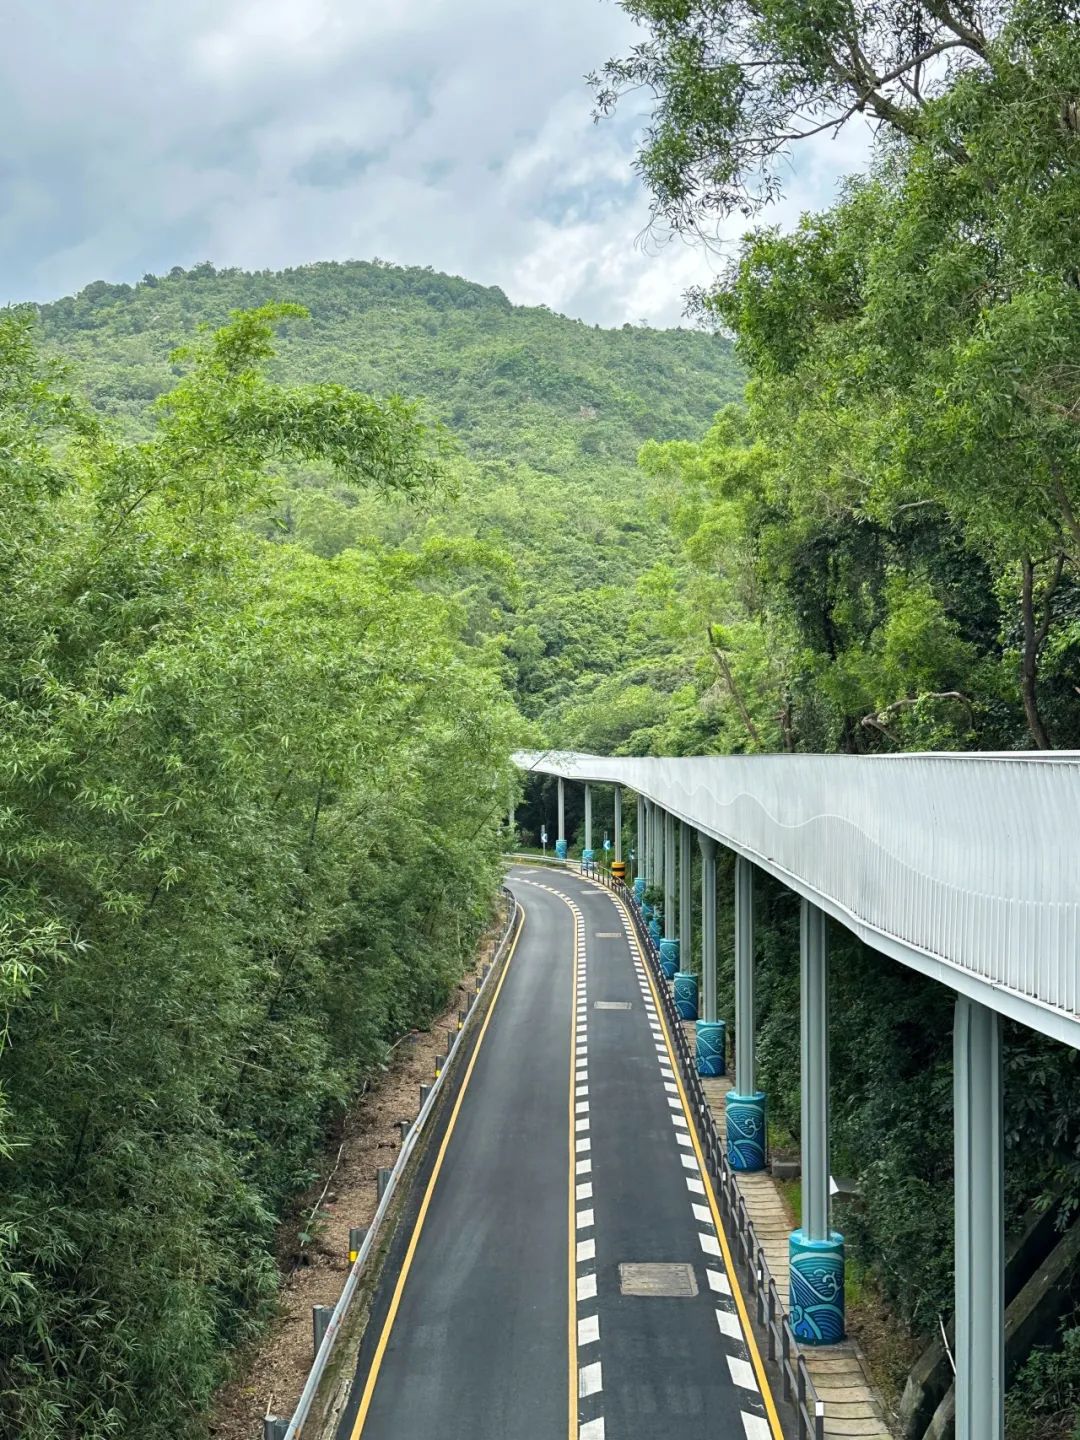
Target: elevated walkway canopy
(964, 867)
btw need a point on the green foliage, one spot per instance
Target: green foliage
(546, 416)
(1044, 1398)
(737, 84)
(249, 806)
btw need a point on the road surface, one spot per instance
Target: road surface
(562, 1275)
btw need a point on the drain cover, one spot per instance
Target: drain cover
(611, 1005)
(654, 1279)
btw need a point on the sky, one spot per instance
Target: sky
(266, 133)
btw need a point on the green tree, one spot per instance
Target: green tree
(249, 831)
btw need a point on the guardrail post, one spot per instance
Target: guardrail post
(320, 1319)
(356, 1240)
(274, 1427)
(425, 1091)
(382, 1180)
(404, 1126)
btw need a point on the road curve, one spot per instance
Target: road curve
(568, 1158)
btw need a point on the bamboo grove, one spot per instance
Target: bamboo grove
(247, 836)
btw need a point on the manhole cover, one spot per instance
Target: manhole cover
(654, 1279)
(611, 1004)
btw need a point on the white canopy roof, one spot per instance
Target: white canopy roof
(965, 867)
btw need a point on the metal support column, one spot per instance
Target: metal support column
(745, 1105)
(646, 859)
(639, 851)
(710, 1028)
(669, 945)
(816, 1253)
(670, 927)
(980, 1236)
(618, 822)
(656, 870)
(656, 867)
(587, 852)
(686, 895)
(560, 839)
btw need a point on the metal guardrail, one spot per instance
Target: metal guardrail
(781, 1344)
(304, 1406)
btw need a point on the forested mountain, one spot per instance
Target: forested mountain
(545, 417)
(517, 384)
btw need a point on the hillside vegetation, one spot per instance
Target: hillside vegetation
(545, 416)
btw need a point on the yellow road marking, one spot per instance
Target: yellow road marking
(733, 1274)
(391, 1314)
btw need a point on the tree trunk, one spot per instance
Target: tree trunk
(1034, 640)
(733, 689)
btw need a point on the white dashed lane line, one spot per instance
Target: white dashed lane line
(729, 1326)
(587, 1326)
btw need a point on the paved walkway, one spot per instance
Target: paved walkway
(838, 1371)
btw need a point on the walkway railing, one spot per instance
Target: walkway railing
(781, 1344)
(304, 1407)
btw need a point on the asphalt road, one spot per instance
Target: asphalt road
(512, 1315)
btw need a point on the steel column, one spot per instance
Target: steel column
(744, 1106)
(814, 1037)
(588, 820)
(639, 848)
(815, 1253)
(708, 927)
(686, 900)
(744, 975)
(561, 836)
(670, 926)
(646, 863)
(979, 1202)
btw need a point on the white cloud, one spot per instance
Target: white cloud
(451, 133)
